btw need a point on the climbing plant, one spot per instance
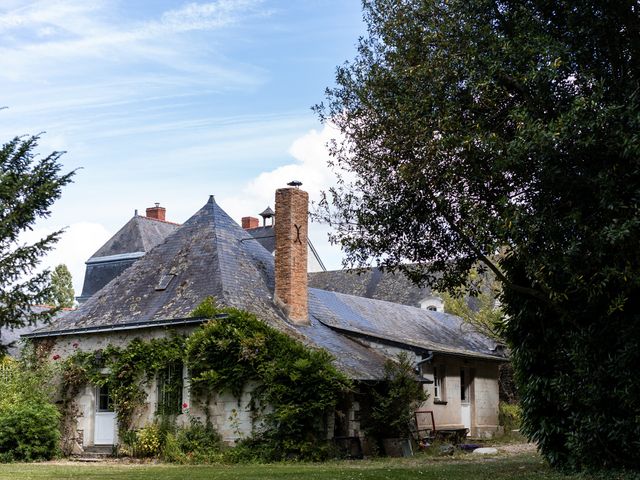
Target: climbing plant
(299, 384)
(231, 352)
(125, 370)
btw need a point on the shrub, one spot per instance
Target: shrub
(395, 403)
(29, 431)
(510, 416)
(196, 443)
(148, 441)
(29, 421)
(198, 437)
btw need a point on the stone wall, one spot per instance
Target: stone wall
(231, 416)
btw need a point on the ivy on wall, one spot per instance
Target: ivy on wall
(299, 384)
(125, 370)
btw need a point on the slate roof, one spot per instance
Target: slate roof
(265, 236)
(211, 255)
(140, 234)
(133, 240)
(401, 324)
(10, 336)
(371, 283)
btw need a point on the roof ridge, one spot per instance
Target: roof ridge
(157, 220)
(216, 257)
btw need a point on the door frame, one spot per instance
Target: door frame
(104, 420)
(466, 397)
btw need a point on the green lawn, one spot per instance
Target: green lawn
(520, 467)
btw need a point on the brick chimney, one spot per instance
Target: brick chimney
(157, 212)
(250, 222)
(292, 207)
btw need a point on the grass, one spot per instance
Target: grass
(520, 467)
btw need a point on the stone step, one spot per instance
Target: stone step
(95, 455)
(105, 449)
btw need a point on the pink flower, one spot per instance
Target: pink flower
(185, 405)
(56, 356)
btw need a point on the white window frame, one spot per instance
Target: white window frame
(439, 376)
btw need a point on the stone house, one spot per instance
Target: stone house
(210, 255)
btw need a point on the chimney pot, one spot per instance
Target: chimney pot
(250, 222)
(291, 225)
(157, 212)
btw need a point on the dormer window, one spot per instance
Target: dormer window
(164, 282)
(432, 303)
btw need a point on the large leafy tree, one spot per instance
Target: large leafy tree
(472, 128)
(62, 294)
(29, 185)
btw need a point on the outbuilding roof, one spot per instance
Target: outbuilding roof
(371, 283)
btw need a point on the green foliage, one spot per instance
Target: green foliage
(195, 443)
(300, 385)
(208, 308)
(394, 405)
(473, 128)
(29, 421)
(510, 416)
(61, 294)
(129, 369)
(148, 441)
(477, 308)
(30, 431)
(29, 185)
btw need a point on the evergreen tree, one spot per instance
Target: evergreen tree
(62, 294)
(29, 185)
(473, 128)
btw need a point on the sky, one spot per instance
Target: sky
(170, 102)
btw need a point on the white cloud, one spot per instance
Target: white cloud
(78, 242)
(310, 166)
(195, 16)
(310, 156)
(43, 39)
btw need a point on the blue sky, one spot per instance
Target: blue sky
(169, 101)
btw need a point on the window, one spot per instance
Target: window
(165, 281)
(438, 382)
(104, 403)
(465, 381)
(170, 389)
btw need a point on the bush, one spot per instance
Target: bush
(299, 384)
(29, 421)
(148, 441)
(29, 431)
(392, 415)
(198, 437)
(197, 443)
(510, 416)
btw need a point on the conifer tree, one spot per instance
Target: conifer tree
(62, 294)
(29, 185)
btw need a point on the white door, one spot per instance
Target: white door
(465, 397)
(105, 418)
